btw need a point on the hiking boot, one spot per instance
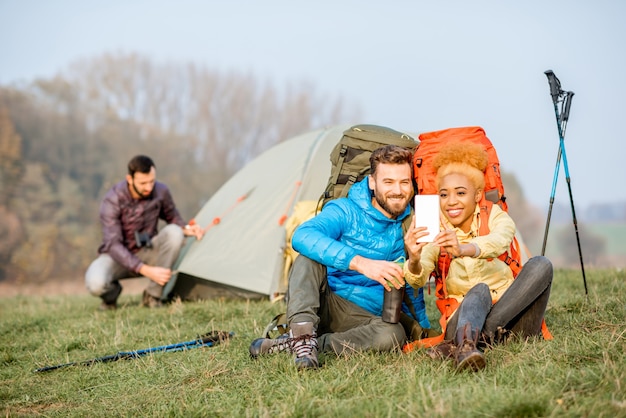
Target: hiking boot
(468, 356)
(270, 346)
(442, 351)
(304, 345)
(150, 301)
(108, 306)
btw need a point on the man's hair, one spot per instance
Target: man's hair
(390, 154)
(141, 164)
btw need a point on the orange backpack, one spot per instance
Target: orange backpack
(425, 174)
(428, 147)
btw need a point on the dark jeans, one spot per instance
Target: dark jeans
(341, 325)
(520, 310)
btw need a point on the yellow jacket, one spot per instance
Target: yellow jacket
(465, 272)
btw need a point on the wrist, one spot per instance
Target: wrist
(355, 263)
(468, 250)
(409, 275)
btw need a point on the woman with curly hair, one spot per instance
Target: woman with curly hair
(490, 304)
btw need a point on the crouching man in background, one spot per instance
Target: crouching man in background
(132, 246)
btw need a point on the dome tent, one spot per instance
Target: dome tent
(243, 251)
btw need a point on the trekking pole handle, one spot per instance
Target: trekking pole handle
(555, 85)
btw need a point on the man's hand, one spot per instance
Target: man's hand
(159, 275)
(381, 271)
(194, 231)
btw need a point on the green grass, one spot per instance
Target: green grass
(581, 373)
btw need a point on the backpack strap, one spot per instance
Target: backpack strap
(353, 178)
(342, 157)
(277, 326)
(409, 304)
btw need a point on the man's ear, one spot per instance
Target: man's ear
(370, 181)
(129, 179)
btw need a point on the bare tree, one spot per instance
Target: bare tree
(10, 156)
(11, 169)
(225, 119)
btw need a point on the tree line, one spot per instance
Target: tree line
(65, 140)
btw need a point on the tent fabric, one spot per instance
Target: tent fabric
(303, 211)
(242, 252)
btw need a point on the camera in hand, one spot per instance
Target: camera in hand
(143, 239)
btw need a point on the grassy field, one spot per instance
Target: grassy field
(612, 255)
(581, 373)
(614, 235)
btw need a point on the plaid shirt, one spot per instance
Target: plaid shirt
(121, 215)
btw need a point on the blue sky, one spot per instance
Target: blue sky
(411, 65)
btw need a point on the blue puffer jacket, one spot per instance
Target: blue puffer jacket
(349, 227)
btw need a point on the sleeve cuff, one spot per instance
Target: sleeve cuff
(409, 276)
(477, 250)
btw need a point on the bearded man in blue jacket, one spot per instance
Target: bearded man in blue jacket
(347, 260)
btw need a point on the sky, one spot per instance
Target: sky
(414, 66)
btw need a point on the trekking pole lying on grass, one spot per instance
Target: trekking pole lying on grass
(562, 116)
(206, 340)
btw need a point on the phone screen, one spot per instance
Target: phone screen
(427, 214)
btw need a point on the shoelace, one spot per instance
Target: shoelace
(303, 345)
(281, 344)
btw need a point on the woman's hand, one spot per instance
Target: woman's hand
(411, 244)
(448, 240)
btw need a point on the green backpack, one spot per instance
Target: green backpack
(350, 158)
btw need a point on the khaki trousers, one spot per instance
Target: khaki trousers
(342, 326)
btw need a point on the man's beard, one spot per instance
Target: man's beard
(141, 195)
(382, 201)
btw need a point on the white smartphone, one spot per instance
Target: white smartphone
(427, 214)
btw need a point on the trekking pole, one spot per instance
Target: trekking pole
(562, 116)
(206, 340)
